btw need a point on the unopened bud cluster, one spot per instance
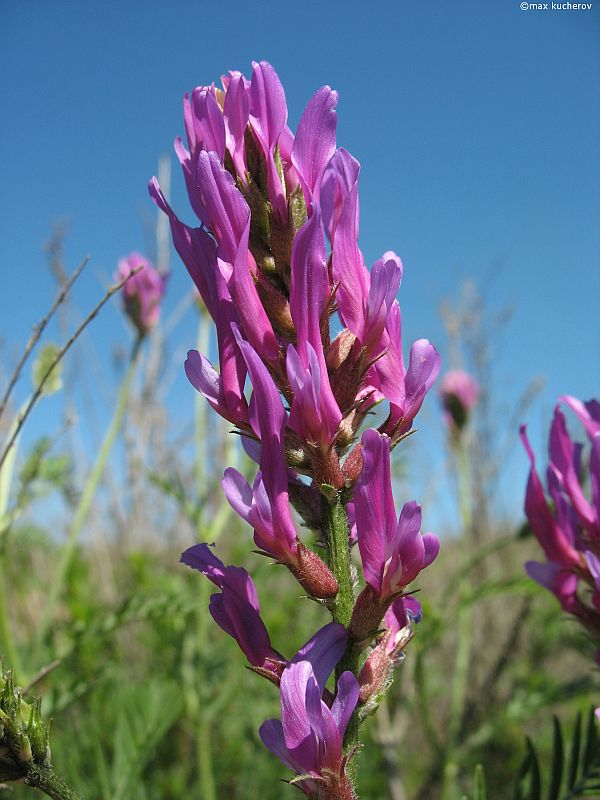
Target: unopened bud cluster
(24, 737)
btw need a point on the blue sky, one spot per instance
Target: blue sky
(477, 126)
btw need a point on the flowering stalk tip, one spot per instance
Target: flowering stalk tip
(276, 260)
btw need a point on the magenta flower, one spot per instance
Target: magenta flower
(236, 609)
(459, 393)
(143, 293)
(309, 737)
(567, 526)
(392, 550)
(405, 392)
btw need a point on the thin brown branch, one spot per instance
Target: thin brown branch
(37, 332)
(42, 674)
(57, 359)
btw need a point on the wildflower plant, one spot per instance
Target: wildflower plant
(277, 263)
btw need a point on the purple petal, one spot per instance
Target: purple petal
(208, 121)
(562, 459)
(202, 558)
(341, 174)
(309, 290)
(271, 734)
(345, 701)
(226, 212)
(552, 539)
(238, 492)
(348, 267)
(432, 548)
(314, 144)
(386, 276)
(588, 413)
(268, 115)
(236, 110)
(593, 563)
(323, 651)
(195, 248)
(294, 717)
(374, 506)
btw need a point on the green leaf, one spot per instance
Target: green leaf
(479, 790)
(42, 364)
(574, 753)
(558, 758)
(590, 749)
(535, 786)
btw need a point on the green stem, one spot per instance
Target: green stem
(338, 557)
(47, 781)
(7, 645)
(88, 493)
(460, 675)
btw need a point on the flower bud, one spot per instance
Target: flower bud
(367, 615)
(143, 293)
(313, 574)
(459, 393)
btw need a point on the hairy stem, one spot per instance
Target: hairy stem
(338, 556)
(47, 781)
(88, 493)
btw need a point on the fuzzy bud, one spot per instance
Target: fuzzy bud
(313, 574)
(367, 615)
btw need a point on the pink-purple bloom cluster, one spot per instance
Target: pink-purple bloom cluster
(142, 294)
(276, 260)
(459, 393)
(567, 522)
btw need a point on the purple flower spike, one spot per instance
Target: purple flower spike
(143, 292)
(393, 551)
(309, 738)
(236, 609)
